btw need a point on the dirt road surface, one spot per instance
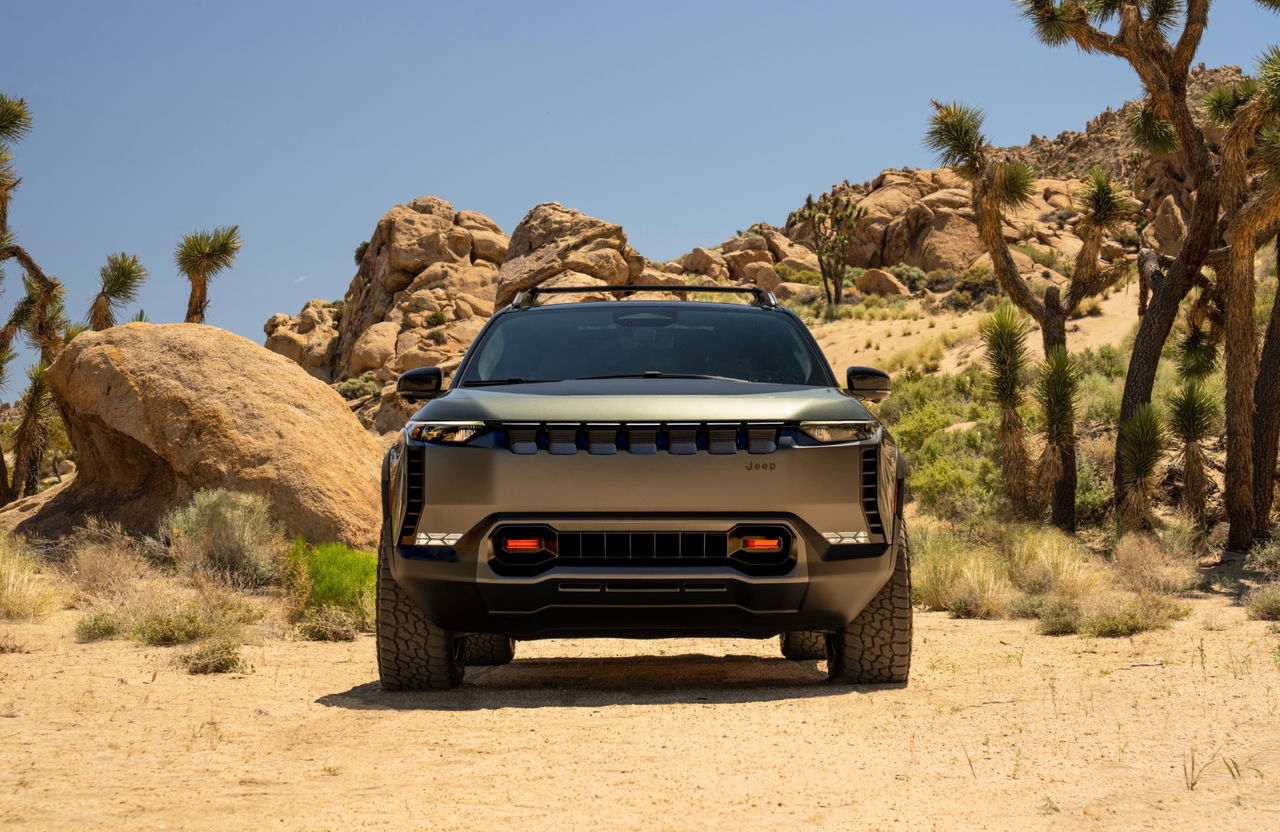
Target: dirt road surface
(998, 729)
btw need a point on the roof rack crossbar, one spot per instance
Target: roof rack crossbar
(759, 296)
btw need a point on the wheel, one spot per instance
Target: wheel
(803, 645)
(413, 653)
(875, 647)
(489, 649)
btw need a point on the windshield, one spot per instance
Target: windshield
(626, 338)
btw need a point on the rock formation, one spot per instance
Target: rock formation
(157, 413)
(423, 288)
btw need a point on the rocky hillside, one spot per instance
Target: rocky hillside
(431, 275)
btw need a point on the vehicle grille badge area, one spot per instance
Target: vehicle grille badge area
(839, 538)
(639, 438)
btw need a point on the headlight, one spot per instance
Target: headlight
(829, 432)
(454, 433)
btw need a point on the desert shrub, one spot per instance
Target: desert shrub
(220, 655)
(103, 559)
(436, 336)
(228, 535)
(971, 288)
(1144, 565)
(913, 278)
(1041, 560)
(360, 251)
(1265, 556)
(790, 275)
(166, 627)
(1100, 398)
(1094, 493)
(1106, 361)
(435, 318)
(952, 571)
(332, 576)
(10, 645)
(1058, 617)
(1263, 603)
(328, 623)
(1124, 615)
(356, 388)
(97, 625)
(26, 589)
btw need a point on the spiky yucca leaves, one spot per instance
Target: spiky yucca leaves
(1142, 440)
(15, 118)
(140, 317)
(1004, 334)
(1269, 154)
(31, 437)
(1197, 354)
(955, 136)
(1151, 132)
(6, 491)
(1222, 102)
(1053, 22)
(121, 278)
(202, 255)
(71, 330)
(1192, 415)
(1057, 391)
(1103, 204)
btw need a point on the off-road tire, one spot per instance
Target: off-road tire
(413, 653)
(875, 648)
(488, 649)
(803, 645)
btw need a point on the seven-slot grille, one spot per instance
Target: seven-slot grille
(415, 480)
(871, 490)
(644, 439)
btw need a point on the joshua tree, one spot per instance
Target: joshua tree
(1056, 392)
(955, 134)
(1266, 403)
(200, 256)
(1004, 336)
(121, 278)
(1142, 448)
(31, 437)
(1192, 414)
(833, 218)
(1233, 200)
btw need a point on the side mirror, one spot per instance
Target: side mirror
(420, 384)
(868, 383)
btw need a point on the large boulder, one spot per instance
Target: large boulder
(552, 241)
(880, 282)
(157, 413)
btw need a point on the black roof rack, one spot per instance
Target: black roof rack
(760, 297)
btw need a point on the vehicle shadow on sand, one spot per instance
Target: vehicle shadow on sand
(597, 682)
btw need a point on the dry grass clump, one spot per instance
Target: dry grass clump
(9, 644)
(1042, 561)
(227, 534)
(328, 623)
(27, 589)
(98, 625)
(103, 560)
(1263, 603)
(1144, 565)
(1124, 614)
(220, 655)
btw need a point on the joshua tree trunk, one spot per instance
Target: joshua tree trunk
(1266, 420)
(1062, 504)
(1193, 481)
(1242, 373)
(197, 302)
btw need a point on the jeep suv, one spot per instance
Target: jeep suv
(642, 469)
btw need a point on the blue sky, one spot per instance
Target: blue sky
(303, 122)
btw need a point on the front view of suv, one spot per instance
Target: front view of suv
(642, 469)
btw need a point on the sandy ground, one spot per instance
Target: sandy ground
(998, 729)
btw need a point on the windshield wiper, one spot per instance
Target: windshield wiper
(658, 374)
(494, 382)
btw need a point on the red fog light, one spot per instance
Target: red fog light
(762, 544)
(522, 544)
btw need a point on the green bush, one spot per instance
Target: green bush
(435, 319)
(335, 577)
(1059, 617)
(357, 388)
(436, 336)
(1266, 556)
(790, 275)
(1126, 616)
(1094, 494)
(913, 278)
(164, 628)
(1106, 361)
(97, 625)
(229, 535)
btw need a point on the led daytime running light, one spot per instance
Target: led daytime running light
(833, 432)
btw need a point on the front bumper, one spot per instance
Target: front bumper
(826, 586)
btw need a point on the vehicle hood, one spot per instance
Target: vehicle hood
(644, 400)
